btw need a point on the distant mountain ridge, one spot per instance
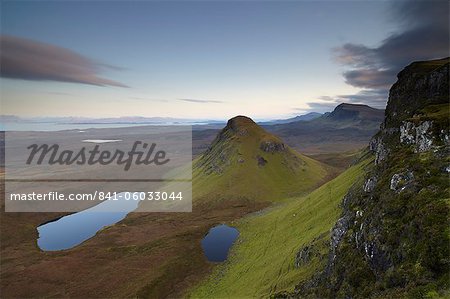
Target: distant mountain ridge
(347, 111)
(348, 127)
(305, 117)
(107, 120)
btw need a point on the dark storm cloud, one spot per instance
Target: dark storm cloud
(321, 106)
(423, 34)
(26, 59)
(370, 78)
(373, 97)
(200, 101)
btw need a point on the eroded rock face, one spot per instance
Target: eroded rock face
(376, 257)
(338, 231)
(379, 148)
(272, 147)
(261, 161)
(370, 184)
(415, 89)
(447, 169)
(424, 139)
(407, 133)
(445, 136)
(419, 135)
(218, 164)
(401, 181)
(303, 256)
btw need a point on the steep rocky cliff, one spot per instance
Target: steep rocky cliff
(392, 239)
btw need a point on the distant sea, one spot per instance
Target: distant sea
(41, 126)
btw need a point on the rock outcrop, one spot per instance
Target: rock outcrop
(272, 147)
(421, 85)
(401, 181)
(391, 239)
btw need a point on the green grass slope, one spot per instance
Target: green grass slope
(262, 262)
(245, 161)
(392, 240)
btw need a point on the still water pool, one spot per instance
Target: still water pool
(70, 231)
(218, 242)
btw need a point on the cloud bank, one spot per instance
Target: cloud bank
(423, 34)
(27, 59)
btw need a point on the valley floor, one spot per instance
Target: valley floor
(146, 255)
(159, 255)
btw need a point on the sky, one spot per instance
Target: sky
(209, 59)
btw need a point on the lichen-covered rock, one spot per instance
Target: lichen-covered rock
(338, 231)
(419, 135)
(401, 181)
(444, 136)
(303, 256)
(424, 140)
(407, 133)
(272, 147)
(381, 151)
(370, 184)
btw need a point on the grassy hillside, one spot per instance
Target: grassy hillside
(263, 260)
(246, 161)
(159, 255)
(392, 238)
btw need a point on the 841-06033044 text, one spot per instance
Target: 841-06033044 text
(57, 196)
